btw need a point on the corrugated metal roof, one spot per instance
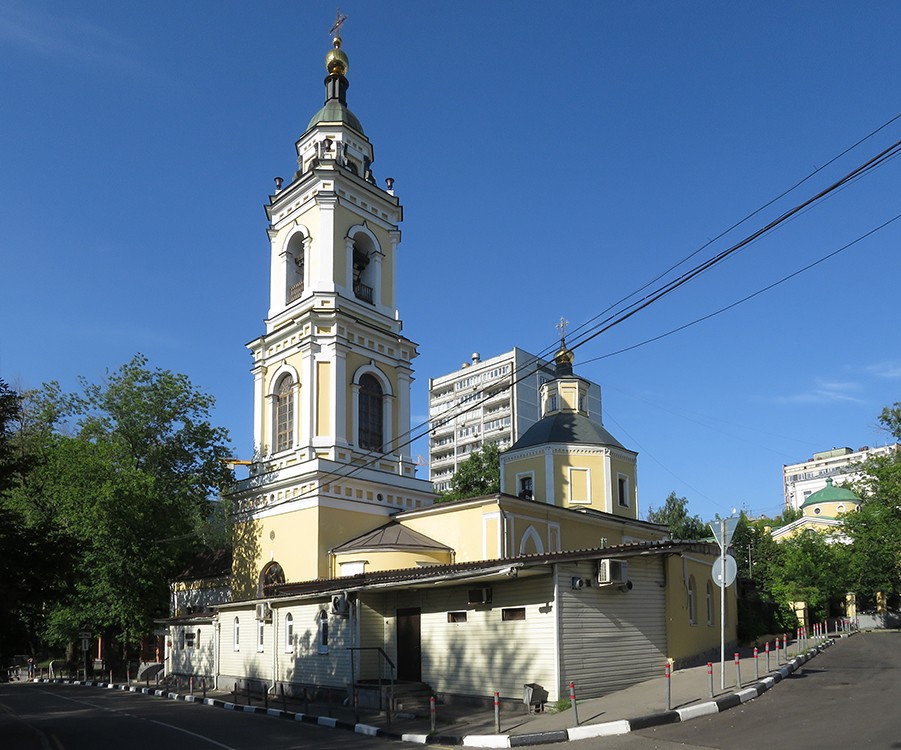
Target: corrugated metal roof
(481, 568)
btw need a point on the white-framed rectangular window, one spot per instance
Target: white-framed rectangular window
(289, 633)
(579, 485)
(236, 635)
(622, 490)
(525, 485)
(261, 635)
(352, 568)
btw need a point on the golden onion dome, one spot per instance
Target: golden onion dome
(336, 61)
(564, 356)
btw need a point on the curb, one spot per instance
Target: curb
(587, 731)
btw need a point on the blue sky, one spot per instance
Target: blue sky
(551, 159)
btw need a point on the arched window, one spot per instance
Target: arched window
(283, 414)
(272, 575)
(692, 612)
(237, 635)
(709, 603)
(295, 260)
(181, 640)
(372, 397)
(289, 633)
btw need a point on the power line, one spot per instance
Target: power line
(595, 330)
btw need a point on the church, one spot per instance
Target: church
(346, 574)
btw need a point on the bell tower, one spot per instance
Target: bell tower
(333, 370)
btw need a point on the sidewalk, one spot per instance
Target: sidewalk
(637, 707)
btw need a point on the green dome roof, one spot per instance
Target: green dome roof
(334, 111)
(830, 494)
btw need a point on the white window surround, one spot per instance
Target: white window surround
(284, 370)
(261, 636)
(587, 473)
(519, 483)
(236, 635)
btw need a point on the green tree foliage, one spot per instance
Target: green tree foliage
(124, 478)
(478, 475)
(674, 515)
(875, 530)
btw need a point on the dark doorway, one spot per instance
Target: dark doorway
(409, 645)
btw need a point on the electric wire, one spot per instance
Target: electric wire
(594, 331)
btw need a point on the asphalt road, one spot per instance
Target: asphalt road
(849, 696)
(73, 717)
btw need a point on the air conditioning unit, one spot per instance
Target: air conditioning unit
(264, 612)
(479, 596)
(340, 605)
(613, 572)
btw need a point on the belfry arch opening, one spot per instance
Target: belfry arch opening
(363, 270)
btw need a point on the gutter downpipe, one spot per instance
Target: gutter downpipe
(274, 647)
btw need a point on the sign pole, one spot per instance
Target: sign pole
(723, 605)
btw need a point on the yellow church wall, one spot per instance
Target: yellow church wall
(464, 530)
(699, 636)
(530, 464)
(620, 466)
(298, 540)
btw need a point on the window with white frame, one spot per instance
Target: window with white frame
(525, 485)
(236, 635)
(289, 633)
(622, 490)
(261, 635)
(283, 416)
(322, 634)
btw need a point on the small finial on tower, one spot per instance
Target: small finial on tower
(336, 61)
(563, 359)
(561, 326)
(278, 183)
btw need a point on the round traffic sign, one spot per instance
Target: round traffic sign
(724, 575)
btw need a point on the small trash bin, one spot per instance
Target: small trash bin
(533, 695)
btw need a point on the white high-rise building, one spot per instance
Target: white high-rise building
(487, 401)
(801, 480)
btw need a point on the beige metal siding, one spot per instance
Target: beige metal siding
(611, 639)
(485, 653)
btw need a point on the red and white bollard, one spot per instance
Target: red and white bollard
(737, 670)
(669, 694)
(768, 657)
(756, 665)
(497, 713)
(710, 677)
(572, 701)
(432, 713)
